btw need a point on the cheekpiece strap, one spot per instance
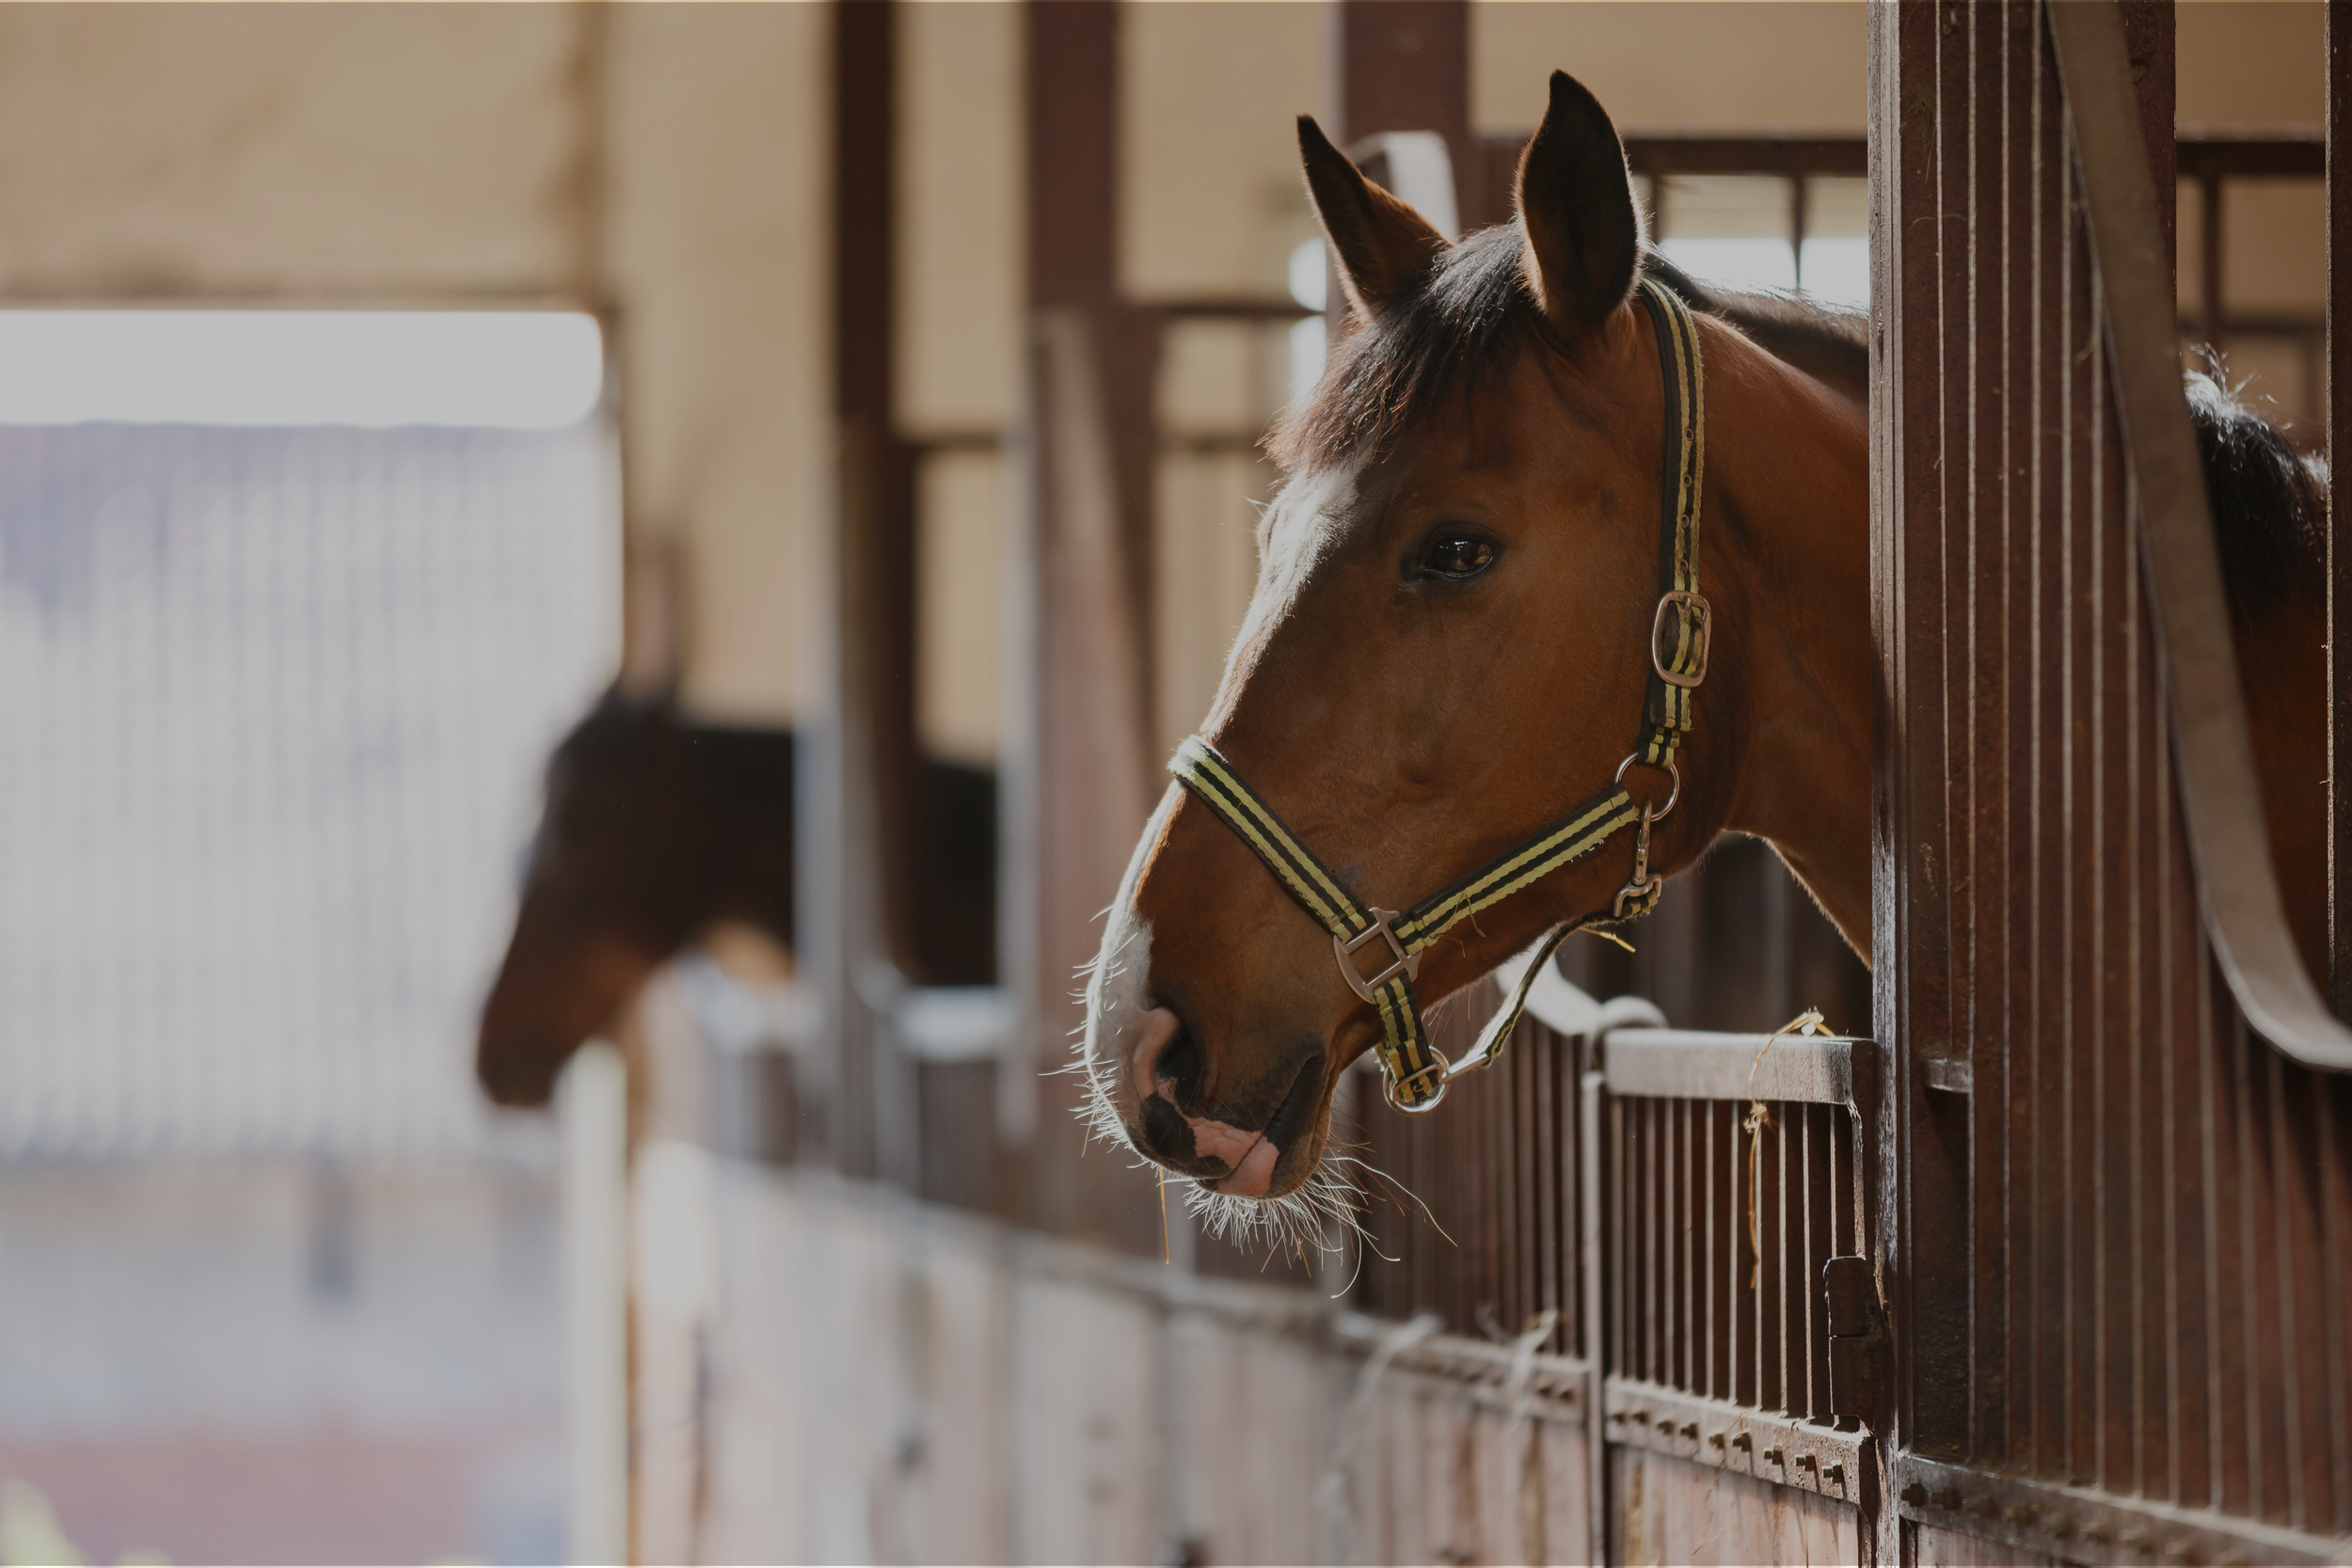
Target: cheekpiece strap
(1416, 1072)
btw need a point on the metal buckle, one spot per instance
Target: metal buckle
(1408, 964)
(1439, 1071)
(1695, 604)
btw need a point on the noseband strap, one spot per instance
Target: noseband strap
(1378, 950)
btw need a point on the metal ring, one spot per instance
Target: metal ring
(1672, 796)
(1443, 1070)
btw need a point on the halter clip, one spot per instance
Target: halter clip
(1402, 962)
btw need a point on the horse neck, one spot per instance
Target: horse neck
(1787, 500)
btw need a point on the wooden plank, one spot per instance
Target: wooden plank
(1084, 1424)
(1945, 1548)
(1669, 1510)
(1251, 1412)
(1692, 1065)
(959, 1326)
(1719, 1434)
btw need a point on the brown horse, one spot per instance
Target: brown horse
(656, 828)
(1451, 640)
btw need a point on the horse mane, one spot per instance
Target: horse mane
(1473, 312)
(1471, 315)
(2270, 503)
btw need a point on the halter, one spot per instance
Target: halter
(1417, 1072)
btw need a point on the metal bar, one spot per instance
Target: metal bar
(1809, 1268)
(1791, 1294)
(2338, 169)
(1710, 1254)
(1683, 1290)
(2212, 299)
(1739, 1307)
(2221, 804)
(1690, 1064)
(1593, 1243)
(2229, 156)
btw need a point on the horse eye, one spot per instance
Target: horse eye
(1458, 555)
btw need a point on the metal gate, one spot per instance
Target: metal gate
(2063, 1271)
(1692, 1205)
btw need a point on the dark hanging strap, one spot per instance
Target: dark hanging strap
(1416, 1072)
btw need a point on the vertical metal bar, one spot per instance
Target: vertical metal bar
(1653, 1246)
(2335, 1285)
(2339, 53)
(1711, 1337)
(1810, 1268)
(1735, 1277)
(1797, 214)
(1687, 1225)
(2036, 1436)
(2212, 318)
(1790, 1285)
(1594, 1244)
(2258, 1451)
(1617, 1267)
(2291, 1388)
(1757, 1299)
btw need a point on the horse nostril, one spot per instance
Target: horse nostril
(1180, 1064)
(1165, 1130)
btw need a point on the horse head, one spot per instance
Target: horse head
(635, 853)
(1452, 640)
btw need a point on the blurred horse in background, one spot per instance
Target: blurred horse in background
(656, 830)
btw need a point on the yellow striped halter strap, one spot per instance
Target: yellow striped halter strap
(1416, 1072)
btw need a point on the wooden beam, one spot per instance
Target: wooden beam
(1077, 781)
(1403, 65)
(858, 789)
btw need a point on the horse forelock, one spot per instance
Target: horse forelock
(1472, 314)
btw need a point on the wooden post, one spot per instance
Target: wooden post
(859, 762)
(1403, 65)
(1077, 781)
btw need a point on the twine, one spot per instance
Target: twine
(1760, 1116)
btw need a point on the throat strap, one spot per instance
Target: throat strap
(1378, 951)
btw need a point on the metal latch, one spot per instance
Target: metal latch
(1857, 1337)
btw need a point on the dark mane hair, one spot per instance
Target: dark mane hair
(2270, 503)
(1474, 313)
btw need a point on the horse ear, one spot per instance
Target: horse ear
(1381, 244)
(1575, 207)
